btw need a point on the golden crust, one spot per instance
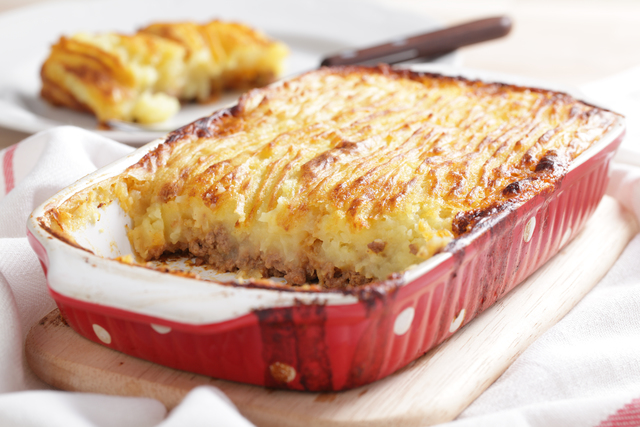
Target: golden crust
(142, 77)
(463, 148)
(347, 175)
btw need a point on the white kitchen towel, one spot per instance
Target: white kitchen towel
(31, 172)
(585, 371)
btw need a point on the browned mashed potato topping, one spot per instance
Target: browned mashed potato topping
(347, 175)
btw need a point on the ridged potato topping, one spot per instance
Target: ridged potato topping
(347, 175)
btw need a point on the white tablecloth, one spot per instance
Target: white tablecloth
(585, 371)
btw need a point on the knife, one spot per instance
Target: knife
(426, 45)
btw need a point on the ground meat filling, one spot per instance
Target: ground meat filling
(220, 251)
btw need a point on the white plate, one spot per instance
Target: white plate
(311, 29)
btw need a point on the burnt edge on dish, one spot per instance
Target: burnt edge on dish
(550, 171)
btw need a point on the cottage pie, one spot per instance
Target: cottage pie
(343, 176)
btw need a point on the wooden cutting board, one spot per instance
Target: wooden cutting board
(433, 389)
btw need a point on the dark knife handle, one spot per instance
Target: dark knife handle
(426, 45)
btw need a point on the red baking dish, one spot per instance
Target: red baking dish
(306, 340)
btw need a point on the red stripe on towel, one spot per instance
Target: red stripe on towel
(7, 168)
(627, 416)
